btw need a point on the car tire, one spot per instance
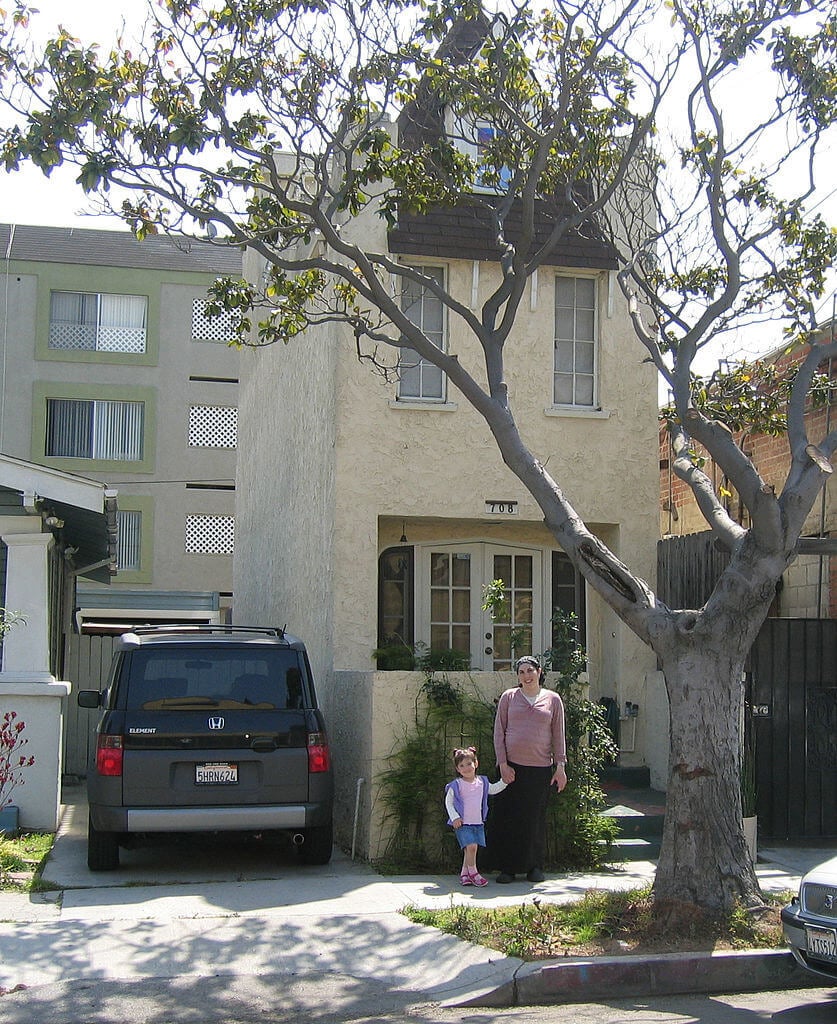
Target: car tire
(102, 849)
(317, 846)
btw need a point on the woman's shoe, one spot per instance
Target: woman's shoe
(477, 879)
(466, 879)
(504, 878)
(536, 875)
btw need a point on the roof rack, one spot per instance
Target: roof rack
(214, 627)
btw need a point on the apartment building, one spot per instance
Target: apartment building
(111, 369)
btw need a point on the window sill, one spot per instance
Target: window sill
(406, 403)
(577, 411)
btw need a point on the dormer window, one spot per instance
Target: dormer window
(474, 138)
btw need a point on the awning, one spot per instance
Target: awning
(81, 511)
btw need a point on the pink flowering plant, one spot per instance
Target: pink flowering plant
(12, 761)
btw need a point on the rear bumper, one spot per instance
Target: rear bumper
(246, 818)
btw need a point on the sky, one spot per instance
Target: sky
(27, 197)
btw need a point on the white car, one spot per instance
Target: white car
(809, 923)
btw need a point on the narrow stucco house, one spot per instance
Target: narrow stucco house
(377, 511)
(55, 528)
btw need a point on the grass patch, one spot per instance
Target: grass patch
(604, 923)
(22, 860)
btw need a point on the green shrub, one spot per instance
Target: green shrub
(446, 717)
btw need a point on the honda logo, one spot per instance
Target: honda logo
(216, 723)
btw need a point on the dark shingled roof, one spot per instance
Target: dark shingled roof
(96, 247)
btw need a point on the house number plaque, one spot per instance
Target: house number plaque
(501, 508)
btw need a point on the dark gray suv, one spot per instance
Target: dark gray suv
(208, 729)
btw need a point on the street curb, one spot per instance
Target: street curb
(577, 980)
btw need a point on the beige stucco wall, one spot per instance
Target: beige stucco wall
(331, 469)
(284, 571)
(374, 714)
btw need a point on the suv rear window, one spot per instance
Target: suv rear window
(267, 679)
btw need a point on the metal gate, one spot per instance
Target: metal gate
(86, 662)
(792, 689)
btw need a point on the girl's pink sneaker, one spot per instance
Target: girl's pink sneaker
(477, 879)
(466, 879)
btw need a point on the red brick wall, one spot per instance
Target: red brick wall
(679, 513)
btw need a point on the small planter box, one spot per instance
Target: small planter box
(9, 821)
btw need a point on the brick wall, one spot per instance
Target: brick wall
(809, 587)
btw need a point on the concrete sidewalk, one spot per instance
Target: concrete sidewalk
(191, 911)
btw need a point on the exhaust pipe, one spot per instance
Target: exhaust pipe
(298, 839)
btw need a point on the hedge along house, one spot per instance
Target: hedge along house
(377, 511)
(55, 528)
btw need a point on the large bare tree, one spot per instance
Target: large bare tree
(267, 123)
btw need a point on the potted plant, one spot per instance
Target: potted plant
(12, 766)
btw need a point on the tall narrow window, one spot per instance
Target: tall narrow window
(94, 430)
(420, 379)
(575, 341)
(395, 598)
(129, 533)
(568, 591)
(89, 321)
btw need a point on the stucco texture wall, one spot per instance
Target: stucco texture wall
(330, 464)
(374, 714)
(284, 565)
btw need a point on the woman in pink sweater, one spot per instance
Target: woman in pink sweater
(531, 752)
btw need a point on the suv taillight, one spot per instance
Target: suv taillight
(319, 759)
(109, 755)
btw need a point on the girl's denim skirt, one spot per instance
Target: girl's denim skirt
(468, 834)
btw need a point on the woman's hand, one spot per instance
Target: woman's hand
(559, 777)
(507, 773)
(457, 823)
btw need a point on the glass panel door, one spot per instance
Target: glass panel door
(450, 594)
(450, 601)
(512, 629)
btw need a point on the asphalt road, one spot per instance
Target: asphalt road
(340, 999)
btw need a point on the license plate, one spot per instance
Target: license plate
(216, 774)
(822, 943)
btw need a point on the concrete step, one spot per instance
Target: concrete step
(633, 825)
(634, 849)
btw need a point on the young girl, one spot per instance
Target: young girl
(466, 801)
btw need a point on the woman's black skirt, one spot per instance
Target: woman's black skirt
(516, 826)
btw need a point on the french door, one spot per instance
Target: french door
(449, 584)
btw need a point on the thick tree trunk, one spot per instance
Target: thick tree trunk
(704, 858)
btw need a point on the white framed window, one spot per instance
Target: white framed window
(97, 322)
(575, 341)
(213, 426)
(128, 540)
(220, 329)
(94, 429)
(419, 379)
(210, 535)
(473, 138)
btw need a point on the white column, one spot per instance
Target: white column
(26, 684)
(26, 645)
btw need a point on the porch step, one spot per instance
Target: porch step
(634, 849)
(638, 810)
